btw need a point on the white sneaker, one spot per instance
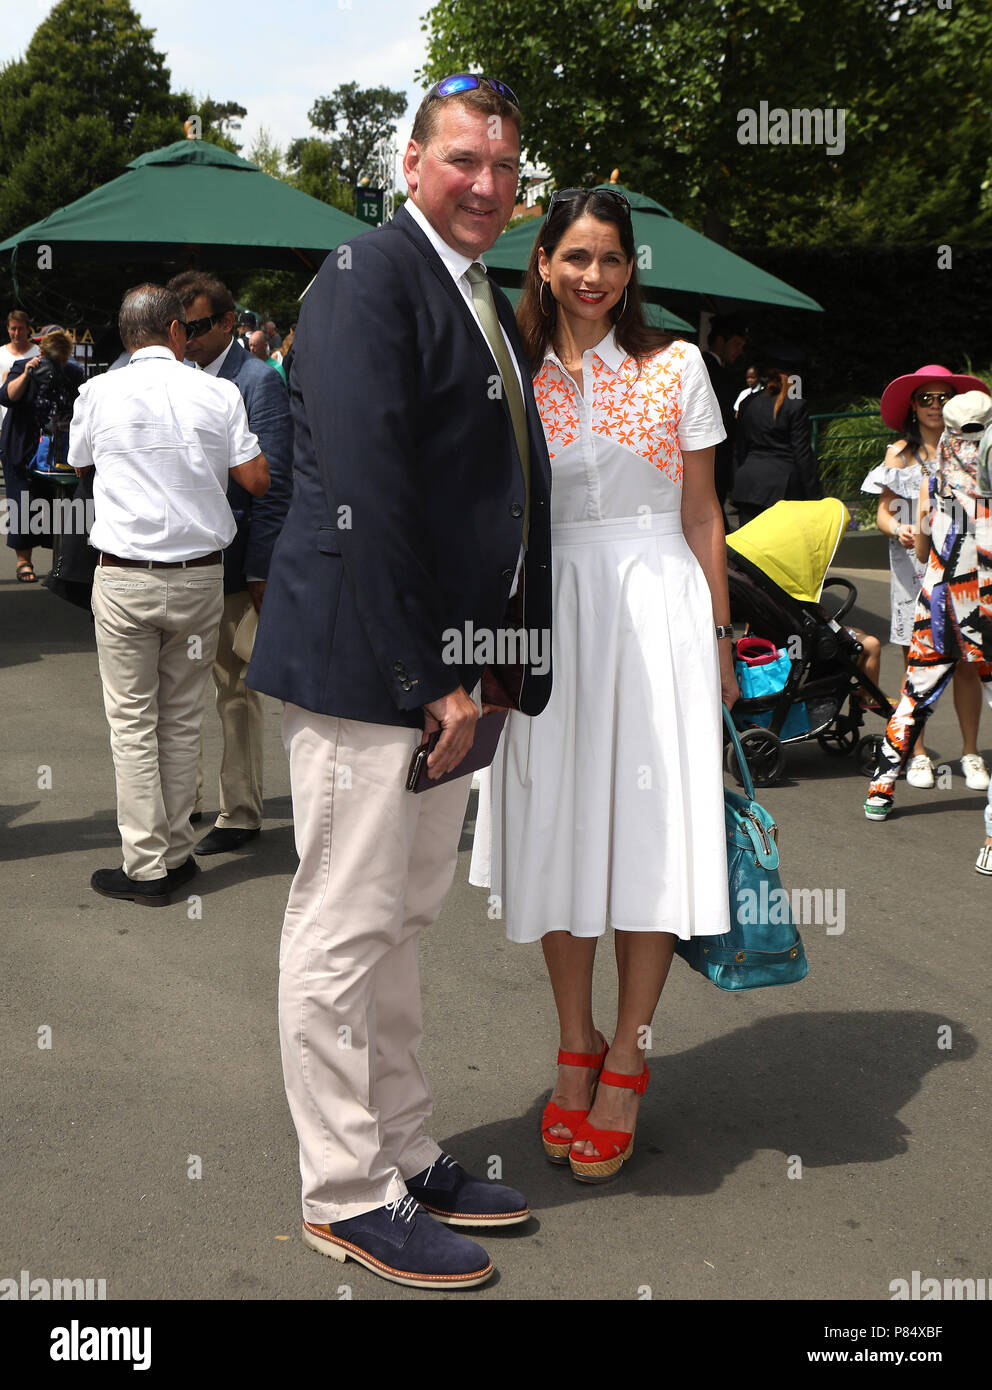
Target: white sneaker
(984, 862)
(976, 774)
(920, 771)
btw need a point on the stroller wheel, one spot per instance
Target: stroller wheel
(765, 755)
(838, 742)
(867, 753)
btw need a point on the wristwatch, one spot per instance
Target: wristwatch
(723, 630)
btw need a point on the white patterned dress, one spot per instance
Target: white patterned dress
(905, 571)
(607, 809)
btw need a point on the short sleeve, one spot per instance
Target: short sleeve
(904, 482)
(242, 444)
(701, 424)
(80, 455)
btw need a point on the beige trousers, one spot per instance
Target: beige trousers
(376, 863)
(156, 634)
(242, 723)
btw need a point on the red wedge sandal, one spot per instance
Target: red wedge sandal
(614, 1146)
(557, 1150)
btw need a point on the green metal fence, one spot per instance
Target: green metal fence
(848, 445)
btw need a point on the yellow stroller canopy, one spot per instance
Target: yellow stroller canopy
(794, 544)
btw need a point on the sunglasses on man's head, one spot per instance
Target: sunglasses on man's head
(469, 82)
(197, 326)
(569, 195)
(933, 397)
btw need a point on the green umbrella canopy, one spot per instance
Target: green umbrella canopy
(197, 200)
(670, 256)
(656, 315)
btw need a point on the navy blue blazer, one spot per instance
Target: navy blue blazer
(259, 519)
(408, 494)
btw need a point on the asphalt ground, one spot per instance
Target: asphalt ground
(814, 1142)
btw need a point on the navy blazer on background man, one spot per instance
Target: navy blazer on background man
(259, 519)
(408, 492)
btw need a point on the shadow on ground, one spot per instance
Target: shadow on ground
(825, 1086)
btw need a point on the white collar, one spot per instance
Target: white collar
(454, 261)
(607, 350)
(155, 350)
(213, 368)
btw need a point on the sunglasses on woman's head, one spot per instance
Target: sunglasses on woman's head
(569, 195)
(933, 397)
(470, 82)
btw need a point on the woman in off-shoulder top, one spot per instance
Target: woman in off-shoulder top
(911, 405)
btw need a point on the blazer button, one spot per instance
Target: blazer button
(507, 575)
(399, 668)
(407, 684)
(516, 509)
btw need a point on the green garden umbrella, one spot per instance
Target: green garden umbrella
(197, 200)
(670, 256)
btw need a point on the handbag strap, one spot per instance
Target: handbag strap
(745, 771)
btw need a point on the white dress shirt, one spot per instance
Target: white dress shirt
(162, 440)
(456, 264)
(213, 368)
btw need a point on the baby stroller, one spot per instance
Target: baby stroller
(776, 566)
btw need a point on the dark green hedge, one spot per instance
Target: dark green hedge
(886, 311)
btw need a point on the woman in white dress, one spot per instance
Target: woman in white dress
(912, 405)
(607, 809)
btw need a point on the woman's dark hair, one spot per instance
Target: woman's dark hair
(537, 327)
(911, 429)
(776, 384)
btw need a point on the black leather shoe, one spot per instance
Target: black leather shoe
(223, 841)
(453, 1196)
(402, 1243)
(114, 883)
(182, 873)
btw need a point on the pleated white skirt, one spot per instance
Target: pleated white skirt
(607, 809)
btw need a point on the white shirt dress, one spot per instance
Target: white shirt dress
(607, 808)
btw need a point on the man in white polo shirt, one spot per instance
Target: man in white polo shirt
(164, 441)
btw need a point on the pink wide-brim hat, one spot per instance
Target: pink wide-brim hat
(894, 405)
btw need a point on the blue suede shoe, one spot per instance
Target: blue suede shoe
(453, 1196)
(402, 1243)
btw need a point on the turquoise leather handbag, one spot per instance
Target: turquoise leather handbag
(763, 946)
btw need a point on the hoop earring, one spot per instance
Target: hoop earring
(623, 306)
(540, 299)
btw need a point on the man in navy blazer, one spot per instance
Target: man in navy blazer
(209, 309)
(419, 463)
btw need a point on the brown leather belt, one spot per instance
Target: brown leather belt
(118, 562)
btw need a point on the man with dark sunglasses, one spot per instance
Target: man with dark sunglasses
(420, 503)
(210, 344)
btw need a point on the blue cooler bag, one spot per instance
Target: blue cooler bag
(765, 673)
(763, 946)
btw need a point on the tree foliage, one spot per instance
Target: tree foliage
(90, 94)
(311, 168)
(352, 121)
(657, 88)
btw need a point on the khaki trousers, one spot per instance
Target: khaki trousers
(376, 863)
(242, 723)
(156, 634)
